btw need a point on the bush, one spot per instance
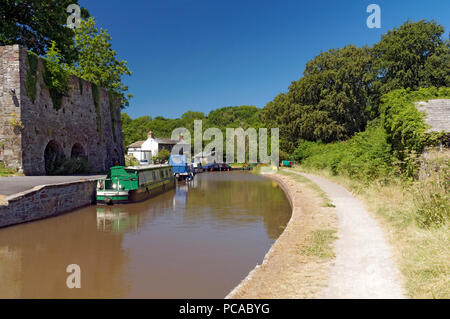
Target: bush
(6, 171)
(365, 156)
(130, 160)
(163, 156)
(70, 166)
(55, 76)
(403, 122)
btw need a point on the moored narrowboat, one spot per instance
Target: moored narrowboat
(133, 184)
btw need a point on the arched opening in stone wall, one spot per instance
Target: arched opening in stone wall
(54, 156)
(78, 151)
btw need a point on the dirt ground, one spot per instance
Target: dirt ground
(294, 267)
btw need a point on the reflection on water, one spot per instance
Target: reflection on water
(115, 220)
(196, 241)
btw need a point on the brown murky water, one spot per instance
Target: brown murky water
(198, 241)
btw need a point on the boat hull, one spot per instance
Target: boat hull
(110, 197)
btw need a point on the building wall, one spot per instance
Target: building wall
(150, 145)
(139, 154)
(74, 124)
(10, 88)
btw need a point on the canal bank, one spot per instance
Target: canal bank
(45, 201)
(298, 263)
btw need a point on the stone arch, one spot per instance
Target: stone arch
(53, 156)
(78, 151)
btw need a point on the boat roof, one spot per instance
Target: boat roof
(147, 167)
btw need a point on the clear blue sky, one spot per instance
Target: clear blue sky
(203, 54)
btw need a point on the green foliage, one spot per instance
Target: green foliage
(233, 117)
(31, 79)
(432, 197)
(162, 156)
(403, 122)
(35, 24)
(97, 62)
(130, 160)
(70, 166)
(341, 88)
(320, 244)
(55, 75)
(412, 56)
(330, 103)
(96, 97)
(366, 156)
(15, 121)
(6, 171)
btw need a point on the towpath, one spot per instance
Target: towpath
(17, 184)
(364, 266)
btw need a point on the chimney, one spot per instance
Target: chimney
(181, 137)
(150, 134)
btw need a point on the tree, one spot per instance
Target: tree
(282, 113)
(162, 156)
(412, 56)
(97, 61)
(35, 23)
(56, 76)
(330, 102)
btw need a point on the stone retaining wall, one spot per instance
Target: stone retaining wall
(86, 123)
(46, 201)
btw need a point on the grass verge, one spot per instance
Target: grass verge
(423, 254)
(320, 244)
(5, 171)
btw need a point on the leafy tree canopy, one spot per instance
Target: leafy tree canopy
(97, 61)
(239, 116)
(341, 88)
(412, 56)
(329, 103)
(34, 23)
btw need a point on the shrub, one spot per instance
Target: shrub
(365, 156)
(6, 171)
(162, 156)
(56, 77)
(403, 122)
(70, 166)
(130, 160)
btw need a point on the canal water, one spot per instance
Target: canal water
(196, 241)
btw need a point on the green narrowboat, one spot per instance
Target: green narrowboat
(133, 184)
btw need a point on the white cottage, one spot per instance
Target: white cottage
(145, 150)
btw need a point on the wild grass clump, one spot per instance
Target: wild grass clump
(6, 171)
(320, 244)
(431, 195)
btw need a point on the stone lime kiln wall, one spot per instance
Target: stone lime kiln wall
(86, 123)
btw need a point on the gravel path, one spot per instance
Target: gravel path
(364, 266)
